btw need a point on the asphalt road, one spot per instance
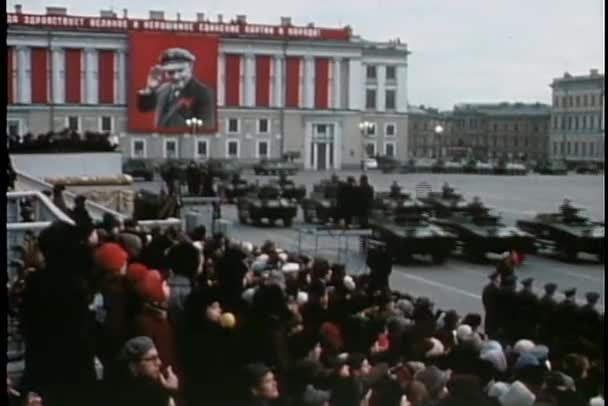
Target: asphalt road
(458, 283)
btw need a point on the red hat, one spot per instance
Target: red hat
(150, 287)
(331, 333)
(110, 257)
(136, 271)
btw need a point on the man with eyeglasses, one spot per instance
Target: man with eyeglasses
(175, 94)
(143, 381)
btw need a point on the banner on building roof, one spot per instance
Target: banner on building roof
(172, 80)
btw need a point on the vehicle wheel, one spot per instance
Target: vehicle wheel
(288, 221)
(474, 253)
(439, 258)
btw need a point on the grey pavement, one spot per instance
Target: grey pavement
(458, 283)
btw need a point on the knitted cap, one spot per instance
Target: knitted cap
(110, 257)
(136, 348)
(131, 243)
(150, 287)
(136, 271)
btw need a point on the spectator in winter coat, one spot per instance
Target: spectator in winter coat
(152, 321)
(144, 380)
(259, 386)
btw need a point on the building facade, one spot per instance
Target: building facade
(280, 89)
(577, 118)
(423, 139)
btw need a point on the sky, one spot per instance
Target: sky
(463, 51)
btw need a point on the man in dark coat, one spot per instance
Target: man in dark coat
(193, 177)
(567, 314)
(58, 326)
(589, 320)
(547, 310)
(506, 307)
(365, 201)
(180, 98)
(80, 214)
(527, 308)
(489, 298)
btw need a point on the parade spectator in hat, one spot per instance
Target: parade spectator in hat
(152, 320)
(144, 379)
(259, 386)
(175, 94)
(589, 318)
(79, 213)
(567, 313)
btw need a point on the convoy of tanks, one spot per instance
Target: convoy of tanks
(436, 223)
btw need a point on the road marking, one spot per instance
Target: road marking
(439, 285)
(574, 275)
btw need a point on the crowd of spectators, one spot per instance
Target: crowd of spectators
(116, 315)
(64, 141)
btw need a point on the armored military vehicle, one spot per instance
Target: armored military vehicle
(446, 202)
(289, 189)
(153, 206)
(552, 168)
(275, 167)
(237, 188)
(406, 231)
(568, 232)
(320, 206)
(266, 203)
(479, 231)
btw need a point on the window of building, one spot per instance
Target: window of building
(371, 72)
(390, 130)
(591, 152)
(371, 131)
(561, 147)
(584, 123)
(138, 148)
(232, 149)
(568, 148)
(585, 100)
(106, 124)
(263, 126)
(583, 149)
(389, 101)
(370, 99)
(202, 148)
(391, 73)
(389, 149)
(170, 149)
(233, 125)
(564, 101)
(569, 123)
(592, 100)
(556, 101)
(516, 127)
(578, 101)
(554, 147)
(73, 123)
(576, 149)
(370, 149)
(576, 123)
(570, 101)
(263, 149)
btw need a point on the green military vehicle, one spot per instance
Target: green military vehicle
(266, 203)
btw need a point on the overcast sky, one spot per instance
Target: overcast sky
(462, 50)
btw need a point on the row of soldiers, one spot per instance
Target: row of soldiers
(512, 314)
(352, 200)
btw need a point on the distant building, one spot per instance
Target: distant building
(484, 131)
(278, 88)
(577, 118)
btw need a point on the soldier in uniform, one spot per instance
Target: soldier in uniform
(447, 190)
(174, 94)
(476, 207)
(505, 307)
(365, 203)
(527, 308)
(568, 211)
(547, 310)
(489, 298)
(567, 314)
(589, 319)
(193, 178)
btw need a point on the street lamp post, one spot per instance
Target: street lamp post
(194, 123)
(438, 131)
(365, 127)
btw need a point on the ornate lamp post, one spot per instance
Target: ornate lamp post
(194, 123)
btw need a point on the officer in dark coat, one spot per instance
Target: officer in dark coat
(395, 190)
(506, 307)
(567, 314)
(366, 201)
(547, 311)
(505, 267)
(489, 298)
(589, 318)
(527, 307)
(181, 97)
(193, 178)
